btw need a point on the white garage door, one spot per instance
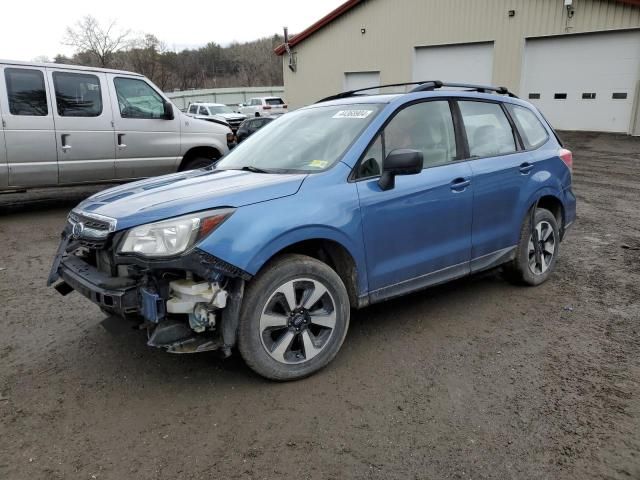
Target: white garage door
(356, 80)
(584, 82)
(468, 63)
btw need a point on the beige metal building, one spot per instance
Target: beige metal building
(578, 60)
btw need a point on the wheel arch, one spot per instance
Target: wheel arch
(327, 248)
(550, 200)
(200, 151)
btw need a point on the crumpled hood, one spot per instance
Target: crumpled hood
(180, 193)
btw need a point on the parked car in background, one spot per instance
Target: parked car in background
(263, 107)
(250, 126)
(65, 124)
(216, 111)
(351, 201)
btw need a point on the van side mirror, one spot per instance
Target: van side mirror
(402, 161)
(168, 111)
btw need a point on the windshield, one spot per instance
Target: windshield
(309, 140)
(274, 101)
(220, 109)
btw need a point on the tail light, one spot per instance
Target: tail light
(267, 107)
(284, 106)
(567, 157)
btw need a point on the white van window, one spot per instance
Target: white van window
(193, 108)
(26, 92)
(137, 99)
(77, 94)
(203, 111)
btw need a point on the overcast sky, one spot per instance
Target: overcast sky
(35, 28)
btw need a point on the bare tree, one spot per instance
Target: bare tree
(90, 37)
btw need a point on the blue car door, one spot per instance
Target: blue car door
(500, 175)
(419, 232)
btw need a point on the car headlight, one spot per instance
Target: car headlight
(174, 236)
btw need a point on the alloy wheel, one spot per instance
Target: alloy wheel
(542, 248)
(298, 321)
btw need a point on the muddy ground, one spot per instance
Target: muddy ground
(476, 379)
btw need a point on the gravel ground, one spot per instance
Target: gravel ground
(476, 379)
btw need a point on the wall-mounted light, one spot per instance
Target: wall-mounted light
(512, 13)
(569, 6)
(363, 30)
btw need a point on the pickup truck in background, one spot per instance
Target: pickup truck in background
(216, 111)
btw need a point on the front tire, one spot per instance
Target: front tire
(530, 267)
(294, 318)
(197, 162)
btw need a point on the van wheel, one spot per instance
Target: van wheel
(533, 266)
(257, 114)
(197, 162)
(294, 318)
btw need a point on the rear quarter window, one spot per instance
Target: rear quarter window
(531, 129)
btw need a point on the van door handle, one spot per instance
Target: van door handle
(460, 184)
(525, 168)
(120, 138)
(63, 142)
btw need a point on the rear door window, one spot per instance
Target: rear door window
(77, 94)
(26, 92)
(488, 130)
(531, 129)
(203, 111)
(193, 109)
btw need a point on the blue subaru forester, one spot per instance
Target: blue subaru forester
(347, 202)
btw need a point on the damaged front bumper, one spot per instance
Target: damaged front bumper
(187, 304)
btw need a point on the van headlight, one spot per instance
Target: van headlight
(174, 236)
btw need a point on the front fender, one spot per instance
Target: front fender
(323, 209)
(308, 232)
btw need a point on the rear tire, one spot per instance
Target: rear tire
(294, 318)
(197, 162)
(526, 268)
(257, 114)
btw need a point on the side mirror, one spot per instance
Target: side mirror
(402, 161)
(168, 111)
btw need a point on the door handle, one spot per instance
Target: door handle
(525, 168)
(460, 184)
(120, 138)
(64, 146)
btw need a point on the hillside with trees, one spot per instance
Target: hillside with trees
(236, 65)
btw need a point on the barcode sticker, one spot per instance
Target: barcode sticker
(353, 114)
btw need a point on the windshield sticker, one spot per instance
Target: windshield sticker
(353, 114)
(318, 163)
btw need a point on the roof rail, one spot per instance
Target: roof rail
(424, 86)
(472, 88)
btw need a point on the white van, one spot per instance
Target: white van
(64, 125)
